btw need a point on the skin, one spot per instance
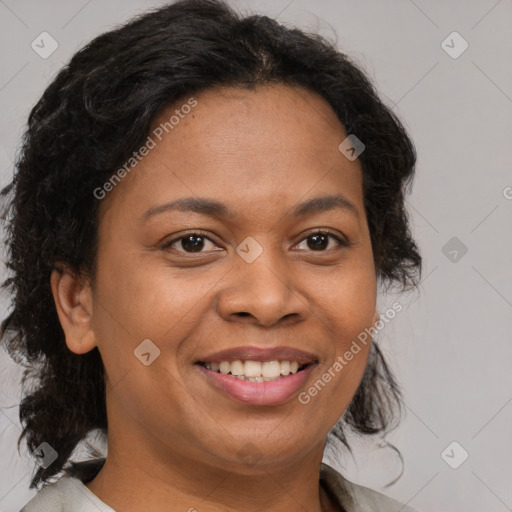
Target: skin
(173, 438)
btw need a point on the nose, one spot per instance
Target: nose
(264, 292)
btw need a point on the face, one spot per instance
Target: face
(270, 274)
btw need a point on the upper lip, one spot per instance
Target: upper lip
(254, 353)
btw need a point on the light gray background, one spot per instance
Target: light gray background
(450, 346)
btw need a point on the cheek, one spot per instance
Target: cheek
(137, 302)
(347, 297)
(147, 298)
(347, 302)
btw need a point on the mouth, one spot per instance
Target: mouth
(256, 371)
(256, 376)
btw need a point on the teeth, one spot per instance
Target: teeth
(255, 371)
(252, 369)
(271, 369)
(225, 367)
(237, 368)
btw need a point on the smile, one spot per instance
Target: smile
(256, 382)
(256, 371)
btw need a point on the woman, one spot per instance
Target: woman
(201, 214)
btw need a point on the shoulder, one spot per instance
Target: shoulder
(357, 498)
(66, 494)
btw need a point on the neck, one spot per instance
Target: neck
(137, 479)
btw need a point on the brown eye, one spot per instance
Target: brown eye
(319, 241)
(191, 243)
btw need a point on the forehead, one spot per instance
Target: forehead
(256, 149)
(270, 122)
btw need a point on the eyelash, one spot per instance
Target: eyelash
(341, 242)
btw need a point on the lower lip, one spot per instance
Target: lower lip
(258, 393)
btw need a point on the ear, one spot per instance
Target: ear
(73, 300)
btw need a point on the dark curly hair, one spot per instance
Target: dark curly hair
(95, 114)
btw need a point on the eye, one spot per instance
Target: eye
(189, 243)
(319, 241)
(195, 242)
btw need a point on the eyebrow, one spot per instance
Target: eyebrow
(213, 208)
